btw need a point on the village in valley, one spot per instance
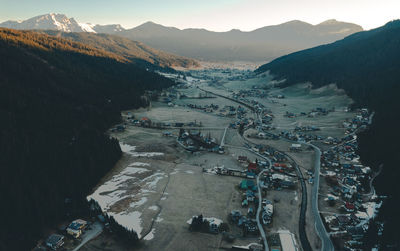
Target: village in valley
(227, 159)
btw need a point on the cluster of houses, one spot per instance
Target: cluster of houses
(278, 181)
(56, 241)
(306, 129)
(194, 140)
(348, 182)
(320, 111)
(215, 74)
(279, 176)
(314, 113)
(205, 108)
(232, 111)
(269, 152)
(275, 177)
(243, 122)
(361, 120)
(303, 134)
(147, 122)
(250, 198)
(238, 112)
(297, 135)
(247, 223)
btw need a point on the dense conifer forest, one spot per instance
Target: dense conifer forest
(57, 99)
(136, 52)
(367, 66)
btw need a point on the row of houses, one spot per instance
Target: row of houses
(57, 241)
(348, 180)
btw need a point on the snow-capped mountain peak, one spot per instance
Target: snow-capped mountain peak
(87, 27)
(62, 22)
(55, 21)
(51, 21)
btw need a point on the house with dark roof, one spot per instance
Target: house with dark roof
(55, 241)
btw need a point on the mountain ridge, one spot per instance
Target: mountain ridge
(133, 51)
(259, 45)
(152, 23)
(262, 44)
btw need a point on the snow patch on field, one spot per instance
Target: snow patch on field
(174, 172)
(125, 194)
(153, 180)
(150, 235)
(133, 170)
(372, 208)
(128, 149)
(114, 189)
(131, 220)
(139, 164)
(138, 203)
(371, 211)
(155, 208)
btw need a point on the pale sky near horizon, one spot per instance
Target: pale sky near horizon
(215, 15)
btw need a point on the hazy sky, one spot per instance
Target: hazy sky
(217, 15)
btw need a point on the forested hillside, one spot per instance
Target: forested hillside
(136, 52)
(367, 66)
(57, 99)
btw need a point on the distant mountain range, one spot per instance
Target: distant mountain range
(262, 44)
(259, 45)
(367, 66)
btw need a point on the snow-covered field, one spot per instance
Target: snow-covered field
(124, 195)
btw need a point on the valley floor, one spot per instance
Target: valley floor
(158, 186)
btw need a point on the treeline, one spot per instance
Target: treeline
(57, 99)
(367, 66)
(128, 237)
